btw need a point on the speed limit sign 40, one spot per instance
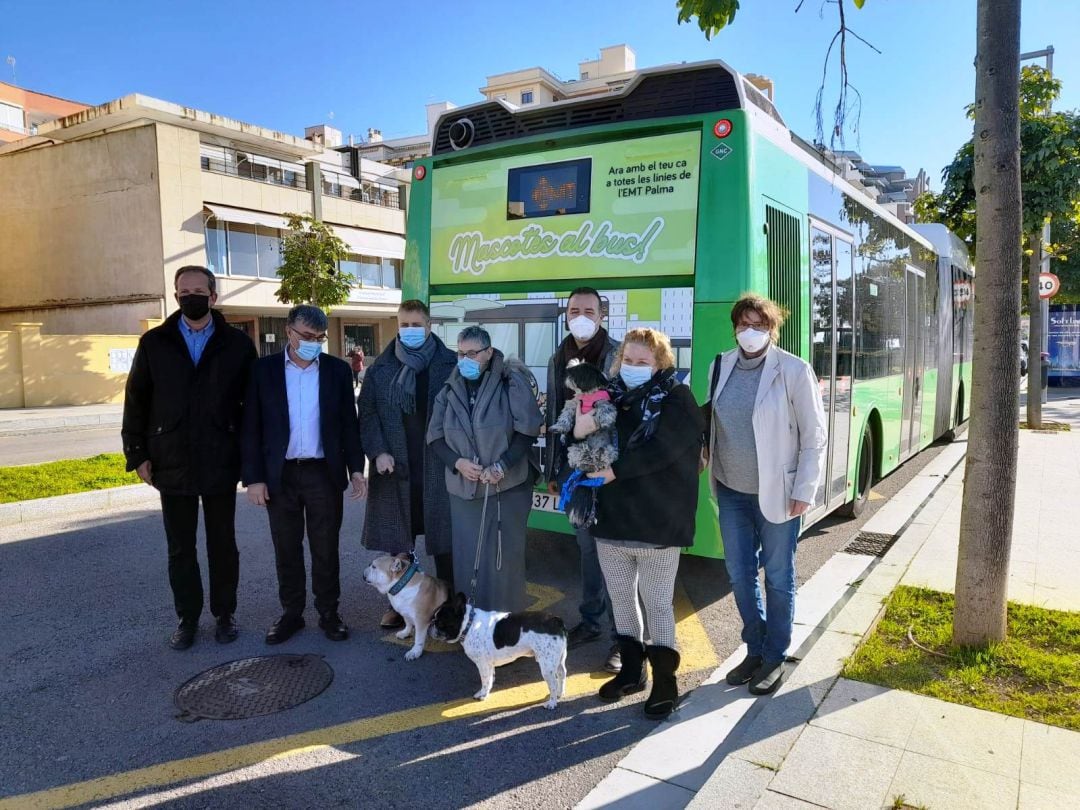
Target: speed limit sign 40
(1049, 284)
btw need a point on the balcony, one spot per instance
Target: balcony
(371, 189)
(252, 167)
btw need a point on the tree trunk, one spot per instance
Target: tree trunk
(982, 571)
(1035, 333)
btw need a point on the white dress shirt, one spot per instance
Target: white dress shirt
(302, 390)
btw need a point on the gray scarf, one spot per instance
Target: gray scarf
(413, 362)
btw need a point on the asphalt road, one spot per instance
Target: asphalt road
(88, 686)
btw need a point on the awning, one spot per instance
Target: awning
(245, 217)
(371, 243)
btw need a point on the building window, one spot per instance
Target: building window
(217, 250)
(372, 271)
(584, 75)
(235, 249)
(243, 253)
(11, 117)
(527, 97)
(268, 246)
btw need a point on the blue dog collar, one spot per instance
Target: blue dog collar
(409, 573)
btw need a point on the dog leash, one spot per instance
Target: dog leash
(483, 533)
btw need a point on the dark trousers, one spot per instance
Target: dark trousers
(444, 568)
(307, 497)
(181, 516)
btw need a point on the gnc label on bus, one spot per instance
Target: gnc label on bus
(1049, 284)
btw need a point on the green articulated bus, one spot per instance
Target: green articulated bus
(673, 196)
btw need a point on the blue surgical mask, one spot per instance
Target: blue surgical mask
(634, 376)
(468, 368)
(412, 337)
(308, 350)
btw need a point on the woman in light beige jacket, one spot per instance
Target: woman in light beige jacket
(767, 446)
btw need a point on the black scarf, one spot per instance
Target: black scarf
(650, 395)
(413, 361)
(591, 353)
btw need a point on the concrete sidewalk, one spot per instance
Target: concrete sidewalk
(15, 421)
(824, 741)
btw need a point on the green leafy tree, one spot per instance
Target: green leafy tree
(310, 269)
(1050, 174)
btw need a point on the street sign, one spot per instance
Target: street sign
(1049, 284)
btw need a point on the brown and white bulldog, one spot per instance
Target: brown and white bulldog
(412, 593)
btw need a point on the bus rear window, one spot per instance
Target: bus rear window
(549, 190)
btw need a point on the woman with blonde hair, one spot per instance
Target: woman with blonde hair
(646, 512)
(767, 446)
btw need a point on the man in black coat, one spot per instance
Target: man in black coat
(301, 448)
(408, 494)
(587, 342)
(181, 434)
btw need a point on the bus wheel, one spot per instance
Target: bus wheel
(865, 478)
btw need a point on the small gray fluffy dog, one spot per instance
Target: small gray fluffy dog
(596, 451)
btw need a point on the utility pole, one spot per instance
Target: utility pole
(1046, 53)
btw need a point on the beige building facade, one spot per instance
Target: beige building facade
(100, 208)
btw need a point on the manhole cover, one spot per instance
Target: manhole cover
(252, 687)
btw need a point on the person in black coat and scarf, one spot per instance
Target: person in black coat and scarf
(181, 433)
(407, 492)
(646, 512)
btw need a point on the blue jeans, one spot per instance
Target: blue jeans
(595, 603)
(750, 542)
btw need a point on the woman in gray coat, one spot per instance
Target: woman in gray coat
(483, 423)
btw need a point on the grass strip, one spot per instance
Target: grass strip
(1034, 673)
(64, 477)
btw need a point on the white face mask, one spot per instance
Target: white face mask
(583, 328)
(752, 341)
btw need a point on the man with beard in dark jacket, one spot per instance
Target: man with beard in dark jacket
(407, 494)
(181, 434)
(589, 342)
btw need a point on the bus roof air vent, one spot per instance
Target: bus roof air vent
(655, 93)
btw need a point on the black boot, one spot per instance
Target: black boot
(632, 677)
(664, 698)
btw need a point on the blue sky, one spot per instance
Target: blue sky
(286, 65)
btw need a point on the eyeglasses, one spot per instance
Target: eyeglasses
(308, 336)
(472, 354)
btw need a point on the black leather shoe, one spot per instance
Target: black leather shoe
(582, 634)
(284, 629)
(767, 679)
(184, 635)
(226, 630)
(614, 660)
(744, 671)
(334, 628)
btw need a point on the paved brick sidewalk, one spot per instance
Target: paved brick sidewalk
(823, 741)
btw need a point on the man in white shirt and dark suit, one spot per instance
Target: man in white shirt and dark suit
(301, 449)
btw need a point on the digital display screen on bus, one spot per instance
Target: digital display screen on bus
(549, 190)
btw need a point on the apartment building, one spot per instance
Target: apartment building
(100, 207)
(23, 111)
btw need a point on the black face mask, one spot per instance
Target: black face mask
(195, 307)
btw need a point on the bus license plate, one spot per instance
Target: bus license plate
(543, 502)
